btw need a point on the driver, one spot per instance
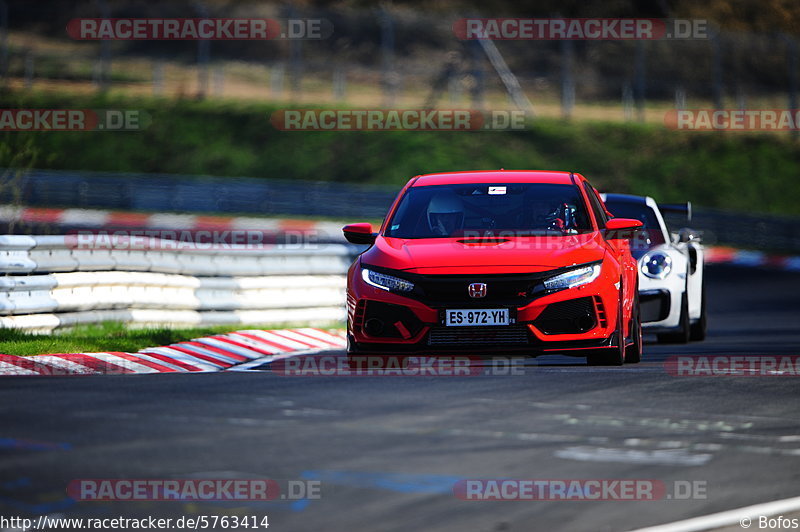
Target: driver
(445, 213)
(547, 214)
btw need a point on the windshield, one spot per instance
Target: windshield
(489, 209)
(653, 236)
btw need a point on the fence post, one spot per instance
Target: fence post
(29, 68)
(4, 39)
(203, 56)
(276, 75)
(791, 65)
(218, 81)
(627, 102)
(716, 69)
(295, 60)
(339, 84)
(158, 78)
(641, 80)
(103, 73)
(680, 98)
(389, 77)
(567, 80)
(478, 75)
(454, 90)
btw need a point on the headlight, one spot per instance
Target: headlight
(656, 265)
(573, 278)
(386, 282)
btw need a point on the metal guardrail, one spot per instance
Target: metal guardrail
(749, 231)
(163, 193)
(53, 281)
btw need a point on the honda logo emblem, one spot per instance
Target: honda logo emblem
(477, 290)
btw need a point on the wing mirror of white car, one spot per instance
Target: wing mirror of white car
(686, 235)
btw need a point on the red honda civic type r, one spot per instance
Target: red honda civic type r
(522, 262)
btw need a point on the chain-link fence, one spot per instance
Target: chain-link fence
(402, 57)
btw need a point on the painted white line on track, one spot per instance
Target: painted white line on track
(748, 514)
(672, 457)
(248, 366)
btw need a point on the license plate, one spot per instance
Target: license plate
(473, 317)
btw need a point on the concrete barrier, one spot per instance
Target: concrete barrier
(51, 282)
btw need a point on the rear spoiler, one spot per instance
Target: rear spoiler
(680, 208)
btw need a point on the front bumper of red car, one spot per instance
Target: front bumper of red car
(571, 321)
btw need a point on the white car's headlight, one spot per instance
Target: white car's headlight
(656, 265)
(389, 283)
(573, 278)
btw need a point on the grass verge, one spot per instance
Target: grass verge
(105, 337)
(747, 172)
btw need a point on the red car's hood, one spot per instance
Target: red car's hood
(501, 255)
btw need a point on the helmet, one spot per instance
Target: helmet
(445, 213)
(549, 214)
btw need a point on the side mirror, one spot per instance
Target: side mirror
(622, 228)
(359, 233)
(686, 235)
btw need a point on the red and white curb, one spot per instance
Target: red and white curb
(212, 353)
(755, 259)
(94, 219)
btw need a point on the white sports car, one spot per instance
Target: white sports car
(672, 294)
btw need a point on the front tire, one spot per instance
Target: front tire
(613, 356)
(633, 354)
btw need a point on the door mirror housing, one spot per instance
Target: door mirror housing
(360, 233)
(622, 228)
(686, 235)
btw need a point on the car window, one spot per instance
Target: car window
(489, 209)
(597, 207)
(642, 212)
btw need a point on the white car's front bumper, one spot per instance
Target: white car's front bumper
(660, 301)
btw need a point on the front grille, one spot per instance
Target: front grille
(507, 290)
(511, 334)
(574, 316)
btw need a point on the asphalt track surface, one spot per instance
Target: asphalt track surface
(388, 450)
